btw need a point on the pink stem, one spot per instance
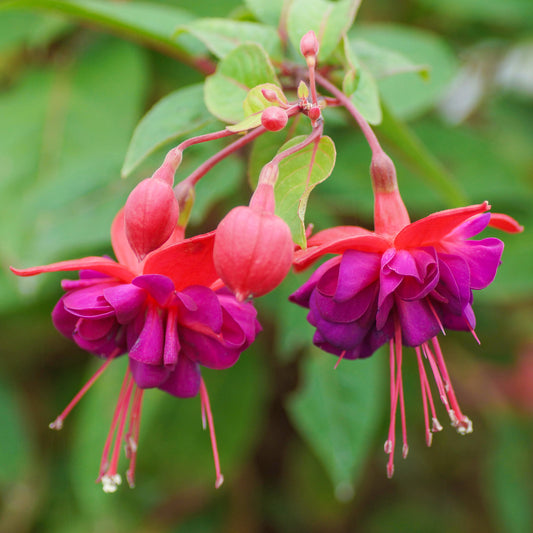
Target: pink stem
(313, 136)
(204, 398)
(205, 167)
(347, 103)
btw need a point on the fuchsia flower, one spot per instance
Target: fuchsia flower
(170, 312)
(402, 284)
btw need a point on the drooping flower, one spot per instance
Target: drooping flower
(402, 284)
(169, 312)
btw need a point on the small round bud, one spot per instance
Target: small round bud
(270, 95)
(314, 113)
(253, 247)
(309, 45)
(150, 215)
(274, 118)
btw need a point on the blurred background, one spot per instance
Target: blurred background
(72, 90)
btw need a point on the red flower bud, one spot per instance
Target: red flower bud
(150, 215)
(253, 248)
(309, 45)
(274, 118)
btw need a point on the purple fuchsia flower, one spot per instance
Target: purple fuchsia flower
(168, 311)
(402, 284)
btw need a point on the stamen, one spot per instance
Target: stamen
(132, 438)
(58, 422)
(204, 398)
(111, 473)
(104, 463)
(473, 333)
(341, 357)
(462, 423)
(436, 316)
(422, 374)
(399, 386)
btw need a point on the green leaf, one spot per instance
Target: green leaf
(221, 36)
(338, 412)
(510, 12)
(267, 12)
(242, 69)
(508, 474)
(364, 94)
(60, 185)
(174, 116)
(20, 28)
(299, 174)
(384, 62)
(409, 95)
(150, 23)
(329, 21)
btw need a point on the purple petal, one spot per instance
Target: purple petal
(454, 283)
(184, 381)
(417, 321)
(483, 258)
(208, 314)
(64, 321)
(126, 300)
(357, 271)
(172, 342)
(159, 287)
(94, 329)
(471, 227)
(207, 351)
(148, 376)
(148, 347)
(302, 295)
(88, 302)
(347, 311)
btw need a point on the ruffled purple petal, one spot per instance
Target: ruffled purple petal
(302, 295)
(148, 376)
(160, 288)
(148, 347)
(184, 381)
(356, 272)
(127, 301)
(483, 258)
(417, 321)
(207, 315)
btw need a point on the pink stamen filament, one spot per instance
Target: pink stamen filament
(341, 357)
(132, 437)
(436, 317)
(104, 464)
(206, 409)
(391, 440)
(422, 374)
(464, 424)
(58, 422)
(113, 465)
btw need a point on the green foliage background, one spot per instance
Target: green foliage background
(450, 89)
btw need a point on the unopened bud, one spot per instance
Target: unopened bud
(253, 247)
(269, 95)
(274, 118)
(309, 45)
(314, 113)
(150, 215)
